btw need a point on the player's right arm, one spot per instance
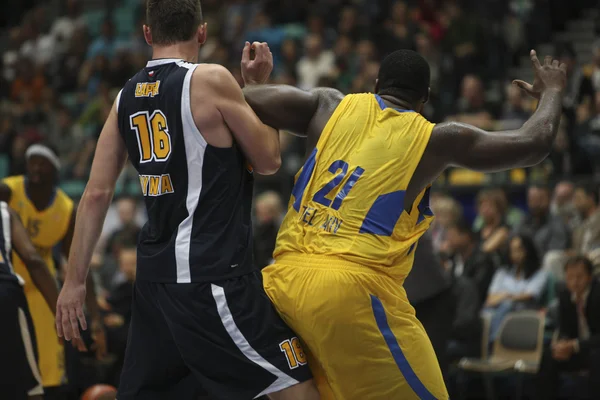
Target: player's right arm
(455, 144)
(259, 142)
(37, 268)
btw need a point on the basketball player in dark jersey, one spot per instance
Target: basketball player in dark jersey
(20, 377)
(200, 317)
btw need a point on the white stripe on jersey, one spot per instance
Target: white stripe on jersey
(195, 146)
(6, 232)
(283, 380)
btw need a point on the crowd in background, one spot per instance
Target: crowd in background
(63, 63)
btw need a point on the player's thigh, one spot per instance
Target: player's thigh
(153, 368)
(334, 312)
(232, 338)
(19, 373)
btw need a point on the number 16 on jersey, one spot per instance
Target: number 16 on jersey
(293, 352)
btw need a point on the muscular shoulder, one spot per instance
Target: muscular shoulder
(213, 76)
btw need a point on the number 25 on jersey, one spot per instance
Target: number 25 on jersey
(152, 134)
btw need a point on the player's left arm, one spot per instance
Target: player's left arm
(109, 159)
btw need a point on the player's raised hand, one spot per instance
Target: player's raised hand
(550, 76)
(257, 63)
(69, 310)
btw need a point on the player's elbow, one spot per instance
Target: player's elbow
(541, 148)
(269, 165)
(94, 196)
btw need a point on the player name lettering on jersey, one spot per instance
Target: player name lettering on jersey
(322, 220)
(147, 89)
(156, 185)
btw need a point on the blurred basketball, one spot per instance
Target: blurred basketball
(100, 392)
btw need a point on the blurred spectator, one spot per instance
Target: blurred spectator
(463, 40)
(591, 73)
(66, 69)
(94, 73)
(40, 45)
(127, 211)
(117, 314)
(494, 232)
(586, 236)
(106, 43)
(289, 59)
(447, 213)
(577, 347)
(518, 286)
(429, 290)
(316, 26)
(316, 63)
(515, 112)
(562, 204)
(548, 232)
(399, 30)
(471, 106)
(465, 337)
(29, 83)
(568, 56)
(64, 27)
(269, 210)
(467, 260)
(588, 129)
(568, 157)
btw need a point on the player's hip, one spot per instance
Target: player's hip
(329, 283)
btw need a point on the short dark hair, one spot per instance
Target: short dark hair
(404, 74)
(173, 21)
(463, 227)
(590, 190)
(580, 260)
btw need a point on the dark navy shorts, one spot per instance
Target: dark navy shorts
(19, 373)
(222, 338)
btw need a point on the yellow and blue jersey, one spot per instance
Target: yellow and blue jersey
(344, 249)
(46, 229)
(348, 200)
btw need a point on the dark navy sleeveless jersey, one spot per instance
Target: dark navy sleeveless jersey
(198, 197)
(6, 270)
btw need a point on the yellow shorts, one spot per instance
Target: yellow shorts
(50, 351)
(359, 331)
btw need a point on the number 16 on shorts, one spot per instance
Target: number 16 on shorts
(293, 352)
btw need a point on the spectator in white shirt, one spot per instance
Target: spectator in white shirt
(518, 287)
(316, 63)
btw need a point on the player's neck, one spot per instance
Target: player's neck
(396, 102)
(186, 51)
(41, 195)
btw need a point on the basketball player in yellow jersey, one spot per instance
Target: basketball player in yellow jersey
(358, 207)
(48, 215)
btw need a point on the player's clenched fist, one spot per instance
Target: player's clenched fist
(257, 69)
(550, 76)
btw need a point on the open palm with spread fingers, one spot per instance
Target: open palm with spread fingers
(550, 76)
